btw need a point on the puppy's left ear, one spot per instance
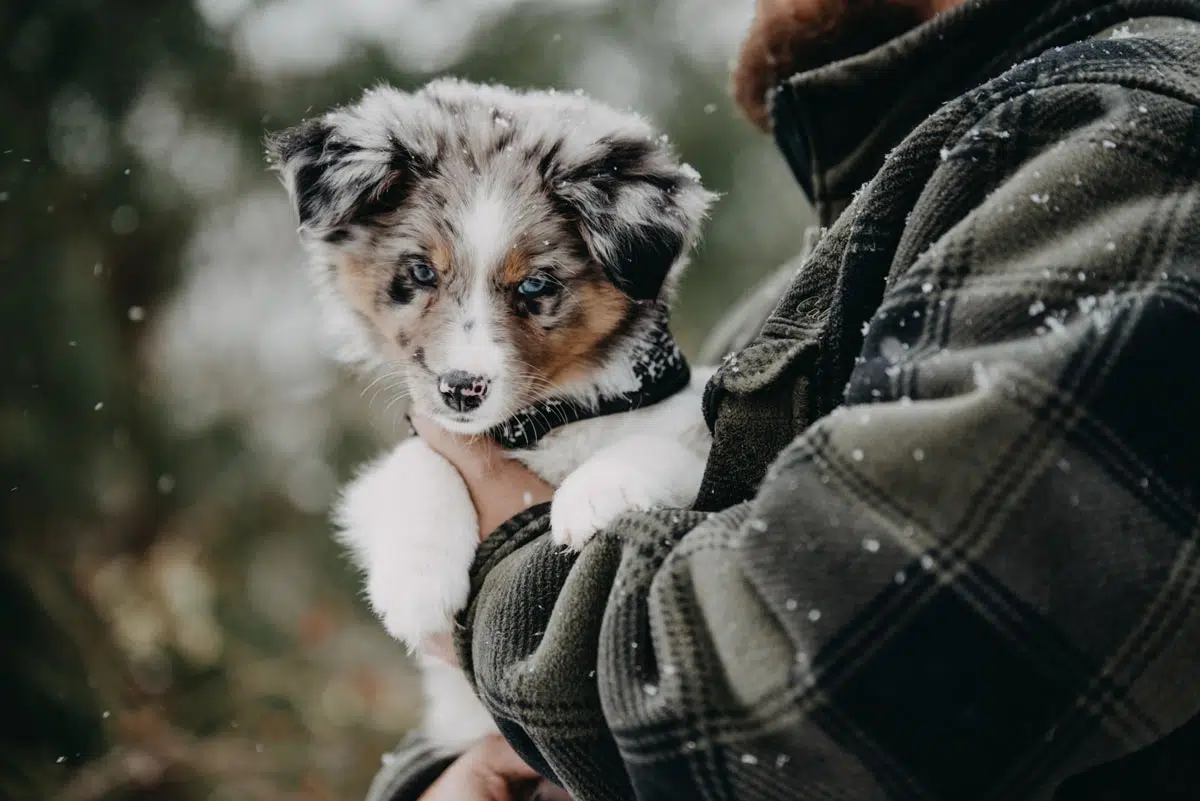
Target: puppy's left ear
(639, 210)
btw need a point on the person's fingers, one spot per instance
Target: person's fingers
(500, 487)
(499, 757)
(545, 790)
(488, 771)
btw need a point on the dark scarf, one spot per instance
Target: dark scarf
(661, 371)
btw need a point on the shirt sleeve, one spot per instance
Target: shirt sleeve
(408, 771)
(975, 577)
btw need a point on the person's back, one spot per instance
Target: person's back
(946, 544)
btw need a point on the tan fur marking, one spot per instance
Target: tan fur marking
(440, 256)
(515, 266)
(568, 350)
(358, 286)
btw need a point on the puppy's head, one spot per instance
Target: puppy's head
(491, 247)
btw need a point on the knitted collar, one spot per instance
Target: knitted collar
(660, 369)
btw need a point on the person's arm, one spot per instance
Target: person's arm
(488, 771)
(408, 771)
(984, 579)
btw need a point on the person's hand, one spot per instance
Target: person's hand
(500, 487)
(490, 770)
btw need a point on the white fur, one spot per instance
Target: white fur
(410, 526)
(487, 229)
(454, 718)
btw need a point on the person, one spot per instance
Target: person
(946, 544)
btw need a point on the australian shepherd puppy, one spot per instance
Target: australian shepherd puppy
(508, 257)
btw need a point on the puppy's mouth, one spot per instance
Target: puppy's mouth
(463, 423)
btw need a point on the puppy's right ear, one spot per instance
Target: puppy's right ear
(334, 183)
(298, 155)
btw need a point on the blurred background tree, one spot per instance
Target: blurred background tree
(176, 622)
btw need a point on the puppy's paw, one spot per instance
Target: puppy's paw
(409, 524)
(593, 497)
(634, 474)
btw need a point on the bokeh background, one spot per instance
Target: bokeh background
(174, 620)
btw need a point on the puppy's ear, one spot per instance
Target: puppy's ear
(638, 208)
(334, 182)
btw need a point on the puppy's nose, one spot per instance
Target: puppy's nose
(462, 391)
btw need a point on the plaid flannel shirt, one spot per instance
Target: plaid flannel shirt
(946, 547)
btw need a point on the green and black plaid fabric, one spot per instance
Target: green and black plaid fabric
(946, 548)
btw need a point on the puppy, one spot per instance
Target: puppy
(507, 258)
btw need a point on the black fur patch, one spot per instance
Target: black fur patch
(504, 139)
(313, 195)
(644, 256)
(307, 138)
(622, 160)
(321, 152)
(407, 169)
(400, 290)
(547, 162)
(640, 253)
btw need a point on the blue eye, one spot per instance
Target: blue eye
(423, 274)
(533, 286)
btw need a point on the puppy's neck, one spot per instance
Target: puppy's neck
(645, 367)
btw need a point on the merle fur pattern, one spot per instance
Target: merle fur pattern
(429, 219)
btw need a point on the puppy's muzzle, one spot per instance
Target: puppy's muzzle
(462, 391)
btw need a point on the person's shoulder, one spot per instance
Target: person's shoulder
(1155, 55)
(1132, 90)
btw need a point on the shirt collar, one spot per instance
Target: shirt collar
(836, 123)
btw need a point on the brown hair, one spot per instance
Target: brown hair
(791, 36)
